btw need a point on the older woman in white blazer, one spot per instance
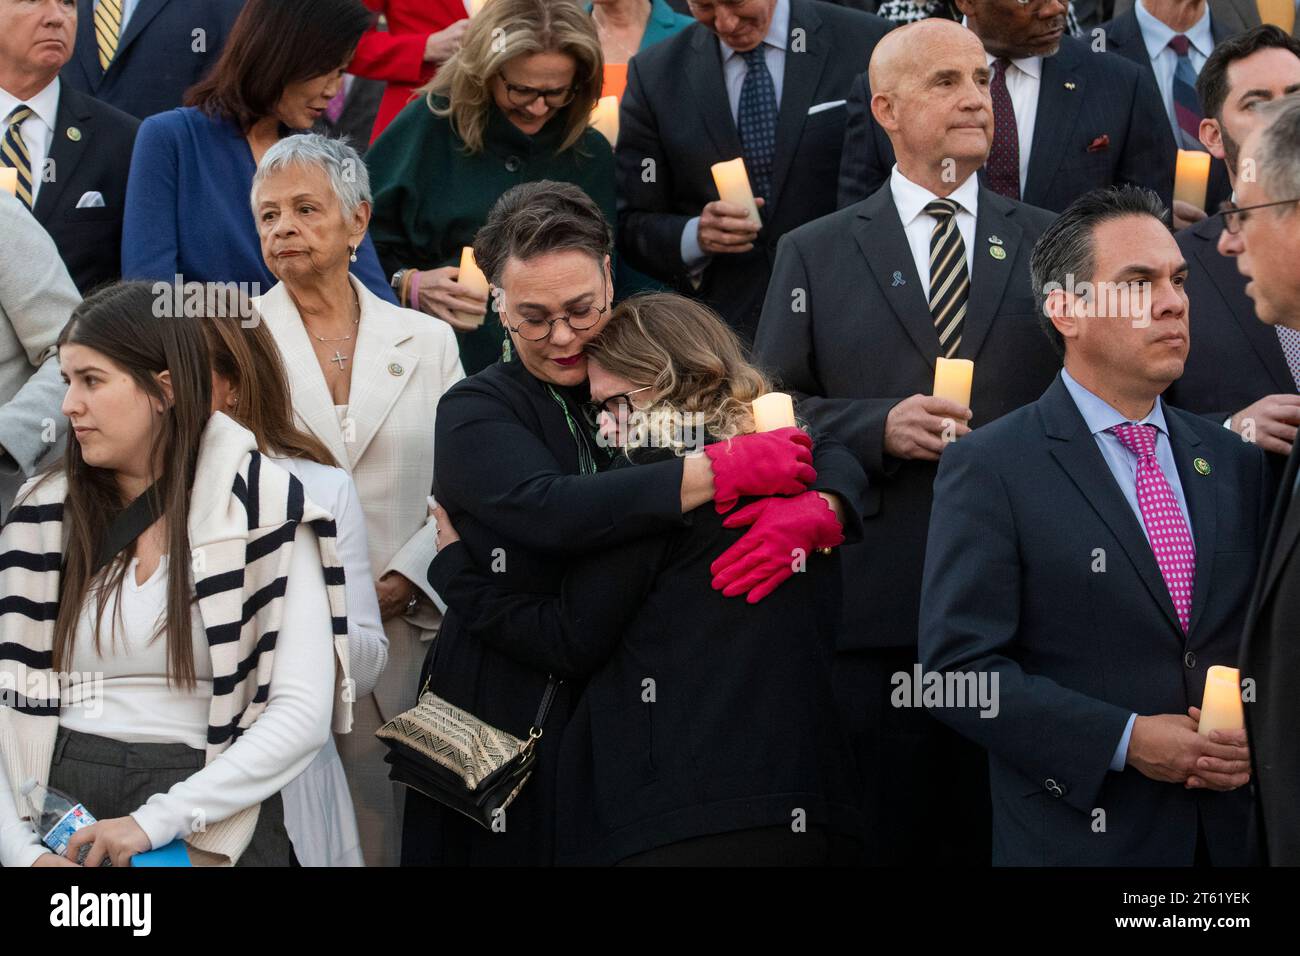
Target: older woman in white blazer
(366, 378)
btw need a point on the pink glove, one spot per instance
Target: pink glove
(764, 463)
(783, 530)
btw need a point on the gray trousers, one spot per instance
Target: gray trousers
(113, 779)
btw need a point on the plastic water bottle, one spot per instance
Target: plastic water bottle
(57, 817)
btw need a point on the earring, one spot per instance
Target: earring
(507, 354)
(352, 253)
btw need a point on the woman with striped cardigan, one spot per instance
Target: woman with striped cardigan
(175, 628)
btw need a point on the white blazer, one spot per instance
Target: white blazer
(403, 363)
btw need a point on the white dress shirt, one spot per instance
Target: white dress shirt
(910, 199)
(733, 77)
(1156, 35)
(37, 130)
(1024, 78)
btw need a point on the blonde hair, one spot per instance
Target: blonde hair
(501, 32)
(690, 357)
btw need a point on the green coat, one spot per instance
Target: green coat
(431, 197)
(664, 22)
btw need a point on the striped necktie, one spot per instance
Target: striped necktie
(1187, 106)
(108, 29)
(949, 279)
(13, 151)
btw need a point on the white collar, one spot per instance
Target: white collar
(44, 104)
(1156, 34)
(910, 199)
(778, 31)
(1029, 65)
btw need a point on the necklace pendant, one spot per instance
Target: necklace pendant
(339, 359)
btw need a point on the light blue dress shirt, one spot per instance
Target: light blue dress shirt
(733, 76)
(1099, 416)
(1156, 35)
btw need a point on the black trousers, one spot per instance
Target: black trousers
(925, 797)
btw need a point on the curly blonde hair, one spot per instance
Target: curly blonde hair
(502, 31)
(690, 357)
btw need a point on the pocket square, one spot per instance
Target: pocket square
(91, 200)
(1100, 143)
(823, 107)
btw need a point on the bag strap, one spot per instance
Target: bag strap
(544, 708)
(131, 522)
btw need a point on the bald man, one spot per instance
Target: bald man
(861, 304)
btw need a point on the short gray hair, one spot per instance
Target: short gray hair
(342, 165)
(1278, 153)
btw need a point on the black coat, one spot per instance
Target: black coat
(1082, 97)
(166, 47)
(507, 472)
(675, 114)
(701, 714)
(91, 152)
(864, 340)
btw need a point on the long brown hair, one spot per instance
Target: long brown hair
(691, 358)
(245, 354)
(502, 31)
(121, 324)
(272, 45)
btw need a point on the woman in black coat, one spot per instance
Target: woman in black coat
(706, 731)
(527, 483)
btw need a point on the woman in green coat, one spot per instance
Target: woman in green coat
(626, 27)
(512, 106)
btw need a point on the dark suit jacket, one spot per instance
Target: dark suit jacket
(1124, 36)
(1270, 656)
(1235, 359)
(862, 340)
(1024, 511)
(156, 59)
(675, 112)
(1107, 99)
(90, 151)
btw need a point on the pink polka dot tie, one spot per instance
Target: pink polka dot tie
(1171, 539)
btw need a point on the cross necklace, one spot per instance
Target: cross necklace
(338, 358)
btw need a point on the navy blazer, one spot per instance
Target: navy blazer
(1235, 359)
(1038, 571)
(91, 152)
(166, 47)
(676, 113)
(861, 339)
(1081, 98)
(1124, 36)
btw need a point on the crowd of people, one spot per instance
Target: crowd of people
(346, 365)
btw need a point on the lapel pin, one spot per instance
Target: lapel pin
(1069, 84)
(74, 134)
(395, 369)
(997, 252)
(1202, 466)
(899, 280)
(995, 240)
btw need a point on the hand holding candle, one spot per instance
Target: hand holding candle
(1191, 175)
(952, 379)
(733, 186)
(1221, 706)
(472, 278)
(772, 411)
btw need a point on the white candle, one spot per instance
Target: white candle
(9, 180)
(733, 185)
(1221, 705)
(475, 7)
(471, 276)
(604, 117)
(952, 379)
(1191, 174)
(772, 411)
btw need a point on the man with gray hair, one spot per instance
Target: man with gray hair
(1263, 232)
(1094, 551)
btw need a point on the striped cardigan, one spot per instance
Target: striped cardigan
(244, 512)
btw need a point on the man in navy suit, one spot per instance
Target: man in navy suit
(72, 152)
(1240, 371)
(849, 327)
(1090, 557)
(1068, 119)
(161, 49)
(1149, 35)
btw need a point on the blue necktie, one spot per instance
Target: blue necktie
(1187, 105)
(757, 121)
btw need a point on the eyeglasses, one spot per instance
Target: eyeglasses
(522, 96)
(617, 407)
(579, 320)
(1234, 215)
(707, 8)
